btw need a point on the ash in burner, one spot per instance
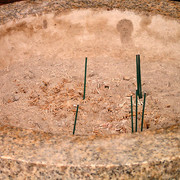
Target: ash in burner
(42, 68)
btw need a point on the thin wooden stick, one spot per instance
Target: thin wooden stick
(132, 114)
(143, 111)
(137, 73)
(85, 78)
(136, 108)
(75, 119)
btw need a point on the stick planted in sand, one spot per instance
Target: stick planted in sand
(131, 114)
(85, 78)
(75, 119)
(136, 108)
(143, 111)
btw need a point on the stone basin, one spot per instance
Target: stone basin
(42, 70)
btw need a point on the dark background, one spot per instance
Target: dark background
(7, 1)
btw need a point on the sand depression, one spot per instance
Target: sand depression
(42, 70)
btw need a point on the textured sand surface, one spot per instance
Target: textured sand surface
(42, 70)
(43, 44)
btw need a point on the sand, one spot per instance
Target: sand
(42, 71)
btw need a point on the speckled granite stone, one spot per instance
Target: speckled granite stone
(26, 154)
(22, 9)
(153, 155)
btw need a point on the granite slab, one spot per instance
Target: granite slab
(22, 9)
(28, 154)
(38, 155)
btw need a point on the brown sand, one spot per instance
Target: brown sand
(42, 71)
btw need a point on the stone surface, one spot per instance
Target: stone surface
(26, 153)
(22, 9)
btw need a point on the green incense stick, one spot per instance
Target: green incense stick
(143, 111)
(85, 78)
(140, 88)
(136, 108)
(75, 119)
(137, 73)
(131, 114)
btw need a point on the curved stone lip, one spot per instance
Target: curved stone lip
(21, 9)
(38, 155)
(26, 153)
(127, 149)
(39, 148)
